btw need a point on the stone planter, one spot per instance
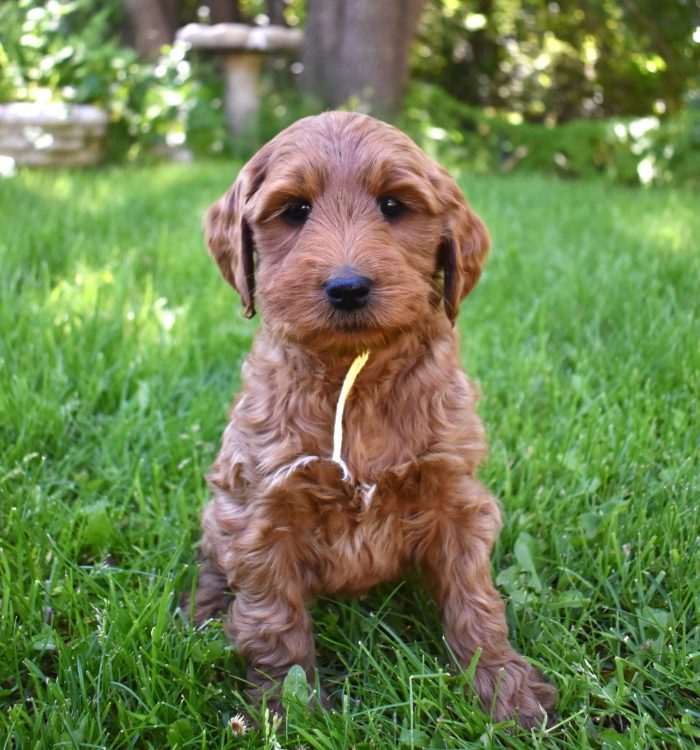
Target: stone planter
(52, 135)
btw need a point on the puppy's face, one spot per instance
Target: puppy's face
(346, 234)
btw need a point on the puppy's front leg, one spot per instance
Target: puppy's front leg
(270, 626)
(456, 561)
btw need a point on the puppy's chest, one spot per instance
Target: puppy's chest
(290, 444)
(352, 535)
(346, 494)
(371, 441)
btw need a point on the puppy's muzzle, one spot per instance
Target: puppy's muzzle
(349, 292)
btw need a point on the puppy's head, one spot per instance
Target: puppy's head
(343, 230)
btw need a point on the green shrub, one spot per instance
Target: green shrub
(58, 50)
(66, 51)
(558, 61)
(627, 150)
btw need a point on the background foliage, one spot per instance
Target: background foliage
(597, 87)
(555, 61)
(69, 51)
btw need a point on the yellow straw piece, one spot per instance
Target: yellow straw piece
(357, 364)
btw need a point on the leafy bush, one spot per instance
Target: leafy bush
(67, 51)
(58, 50)
(627, 150)
(559, 61)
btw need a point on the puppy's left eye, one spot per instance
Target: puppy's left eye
(391, 208)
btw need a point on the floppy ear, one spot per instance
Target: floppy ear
(464, 246)
(229, 236)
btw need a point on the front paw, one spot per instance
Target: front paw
(516, 690)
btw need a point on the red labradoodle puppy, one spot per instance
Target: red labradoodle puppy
(350, 239)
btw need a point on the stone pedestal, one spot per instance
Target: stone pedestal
(243, 48)
(241, 95)
(52, 135)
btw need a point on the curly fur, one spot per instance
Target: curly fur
(283, 525)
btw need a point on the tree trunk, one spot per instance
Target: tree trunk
(224, 11)
(275, 12)
(152, 24)
(359, 48)
(171, 11)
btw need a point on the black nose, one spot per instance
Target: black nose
(348, 292)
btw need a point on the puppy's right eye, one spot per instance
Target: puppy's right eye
(297, 212)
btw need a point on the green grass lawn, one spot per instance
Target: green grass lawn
(120, 349)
